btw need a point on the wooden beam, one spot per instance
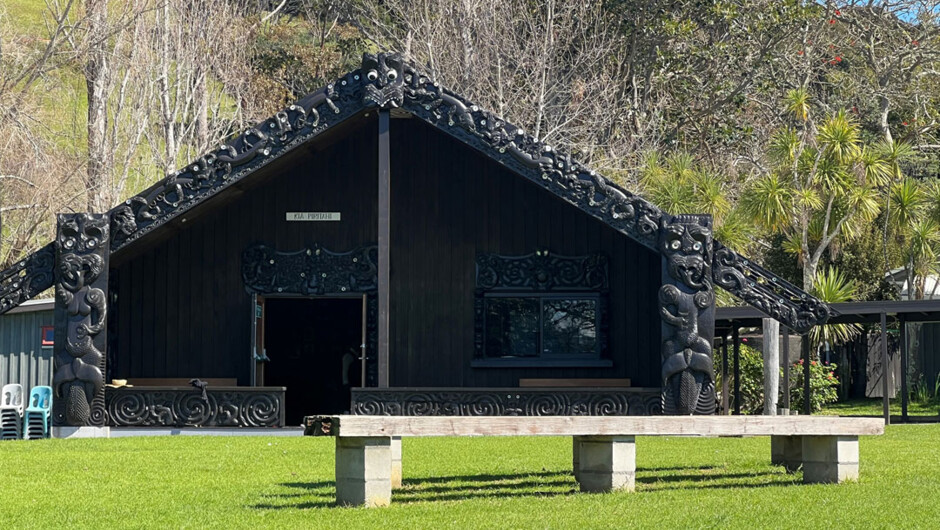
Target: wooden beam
(725, 401)
(885, 369)
(736, 344)
(785, 363)
(807, 390)
(384, 247)
(902, 322)
(381, 426)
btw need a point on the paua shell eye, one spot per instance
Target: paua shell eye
(675, 244)
(697, 246)
(372, 75)
(392, 75)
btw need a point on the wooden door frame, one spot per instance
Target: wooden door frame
(257, 330)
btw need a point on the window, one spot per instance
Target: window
(557, 326)
(541, 310)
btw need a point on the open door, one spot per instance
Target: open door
(313, 347)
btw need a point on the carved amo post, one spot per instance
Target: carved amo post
(687, 309)
(81, 292)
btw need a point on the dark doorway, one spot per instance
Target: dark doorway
(313, 345)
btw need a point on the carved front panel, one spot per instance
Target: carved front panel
(505, 402)
(687, 309)
(81, 289)
(186, 407)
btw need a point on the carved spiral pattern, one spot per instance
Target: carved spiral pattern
(610, 405)
(419, 405)
(191, 409)
(547, 405)
(130, 409)
(139, 406)
(485, 405)
(260, 410)
(505, 402)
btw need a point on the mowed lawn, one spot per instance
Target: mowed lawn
(241, 482)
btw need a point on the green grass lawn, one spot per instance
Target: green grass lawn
(241, 482)
(874, 407)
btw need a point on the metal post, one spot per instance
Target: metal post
(736, 344)
(885, 369)
(785, 363)
(807, 390)
(384, 245)
(725, 399)
(902, 322)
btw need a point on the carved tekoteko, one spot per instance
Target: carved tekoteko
(687, 309)
(81, 312)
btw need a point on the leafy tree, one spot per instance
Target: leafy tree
(822, 184)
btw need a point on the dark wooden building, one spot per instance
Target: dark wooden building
(385, 246)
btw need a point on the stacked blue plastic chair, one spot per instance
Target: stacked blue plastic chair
(36, 418)
(11, 411)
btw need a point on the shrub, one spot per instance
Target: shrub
(823, 383)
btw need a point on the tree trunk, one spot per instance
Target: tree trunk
(809, 273)
(96, 81)
(771, 365)
(884, 107)
(202, 111)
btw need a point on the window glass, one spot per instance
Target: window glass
(569, 326)
(512, 327)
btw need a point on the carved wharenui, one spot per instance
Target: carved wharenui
(386, 80)
(81, 290)
(687, 308)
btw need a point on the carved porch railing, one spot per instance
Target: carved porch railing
(513, 401)
(185, 406)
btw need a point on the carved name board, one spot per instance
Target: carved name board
(313, 216)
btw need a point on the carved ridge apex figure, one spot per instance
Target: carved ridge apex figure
(383, 80)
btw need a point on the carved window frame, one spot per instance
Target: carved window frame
(542, 275)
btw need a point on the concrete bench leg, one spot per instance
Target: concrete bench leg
(396, 461)
(363, 471)
(576, 456)
(830, 459)
(607, 463)
(786, 451)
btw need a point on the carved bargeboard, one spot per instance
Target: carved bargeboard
(687, 309)
(81, 312)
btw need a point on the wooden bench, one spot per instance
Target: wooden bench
(368, 448)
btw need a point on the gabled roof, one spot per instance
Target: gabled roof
(386, 81)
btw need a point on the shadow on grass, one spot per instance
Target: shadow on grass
(517, 485)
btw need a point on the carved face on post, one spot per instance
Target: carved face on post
(686, 246)
(383, 80)
(80, 237)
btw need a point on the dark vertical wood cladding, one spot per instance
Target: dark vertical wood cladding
(185, 311)
(447, 204)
